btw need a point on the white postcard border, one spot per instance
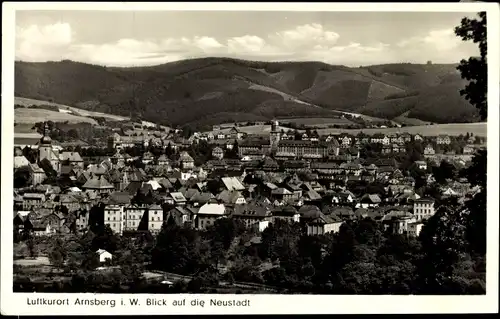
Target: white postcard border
(16, 303)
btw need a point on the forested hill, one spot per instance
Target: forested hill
(216, 90)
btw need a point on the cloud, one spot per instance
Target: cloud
(441, 40)
(207, 43)
(437, 45)
(43, 43)
(309, 42)
(249, 43)
(307, 35)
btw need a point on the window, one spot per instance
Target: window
(114, 218)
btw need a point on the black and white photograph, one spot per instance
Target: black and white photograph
(167, 153)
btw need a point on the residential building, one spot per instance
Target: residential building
(114, 217)
(218, 153)
(415, 228)
(429, 150)
(285, 213)
(134, 216)
(155, 218)
(443, 140)
(421, 165)
(208, 214)
(104, 256)
(187, 162)
(469, 149)
(252, 215)
(423, 208)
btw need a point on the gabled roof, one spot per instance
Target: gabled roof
(119, 198)
(232, 183)
(309, 211)
(212, 209)
(281, 191)
(185, 157)
(251, 210)
(178, 197)
(98, 183)
(202, 198)
(229, 197)
(70, 156)
(313, 195)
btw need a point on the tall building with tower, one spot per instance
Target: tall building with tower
(274, 137)
(46, 150)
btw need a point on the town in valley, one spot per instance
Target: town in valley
(169, 162)
(107, 205)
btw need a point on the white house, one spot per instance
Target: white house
(418, 137)
(443, 139)
(155, 218)
(208, 214)
(423, 208)
(421, 165)
(104, 255)
(415, 228)
(429, 150)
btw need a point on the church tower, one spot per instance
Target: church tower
(45, 145)
(274, 137)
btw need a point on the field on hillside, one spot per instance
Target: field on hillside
(404, 119)
(317, 121)
(254, 129)
(84, 113)
(26, 115)
(479, 129)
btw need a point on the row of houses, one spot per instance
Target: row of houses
(122, 216)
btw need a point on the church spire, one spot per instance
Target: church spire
(46, 138)
(45, 129)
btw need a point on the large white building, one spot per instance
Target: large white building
(423, 208)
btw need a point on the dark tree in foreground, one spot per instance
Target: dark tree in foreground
(475, 69)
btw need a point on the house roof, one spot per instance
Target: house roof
(178, 197)
(281, 191)
(251, 210)
(98, 182)
(374, 198)
(232, 183)
(398, 214)
(133, 187)
(70, 156)
(324, 219)
(313, 195)
(117, 198)
(102, 251)
(425, 200)
(286, 210)
(212, 209)
(202, 197)
(185, 157)
(308, 211)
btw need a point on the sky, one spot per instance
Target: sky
(139, 38)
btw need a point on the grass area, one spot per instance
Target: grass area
(317, 121)
(39, 115)
(28, 262)
(82, 112)
(479, 129)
